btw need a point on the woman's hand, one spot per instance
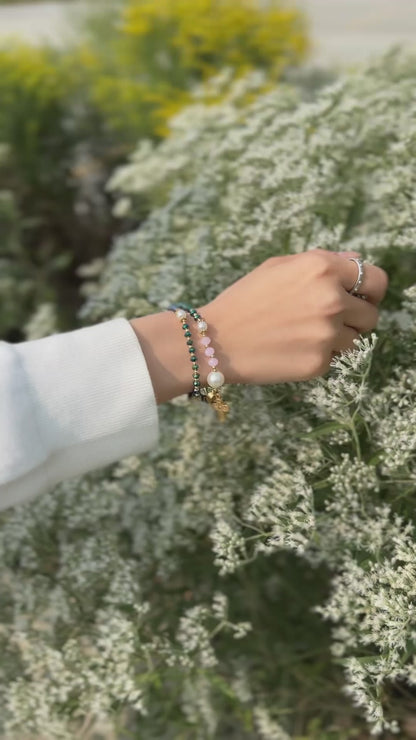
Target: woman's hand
(282, 322)
(286, 319)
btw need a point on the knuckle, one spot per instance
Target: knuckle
(318, 364)
(270, 262)
(331, 301)
(319, 263)
(325, 332)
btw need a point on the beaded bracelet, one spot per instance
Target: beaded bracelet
(215, 379)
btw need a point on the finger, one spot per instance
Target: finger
(375, 280)
(345, 339)
(348, 254)
(360, 315)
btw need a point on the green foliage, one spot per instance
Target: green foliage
(16, 281)
(54, 169)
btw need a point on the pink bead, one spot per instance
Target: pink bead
(213, 362)
(205, 341)
(209, 351)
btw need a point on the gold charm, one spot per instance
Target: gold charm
(217, 402)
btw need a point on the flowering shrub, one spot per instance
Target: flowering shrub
(69, 117)
(235, 581)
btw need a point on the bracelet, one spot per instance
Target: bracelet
(215, 379)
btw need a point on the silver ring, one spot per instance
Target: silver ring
(360, 277)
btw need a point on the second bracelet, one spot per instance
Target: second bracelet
(215, 378)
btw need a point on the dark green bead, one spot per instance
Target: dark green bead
(195, 366)
(185, 326)
(193, 358)
(195, 375)
(188, 333)
(192, 350)
(196, 383)
(190, 342)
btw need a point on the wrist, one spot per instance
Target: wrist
(164, 350)
(162, 342)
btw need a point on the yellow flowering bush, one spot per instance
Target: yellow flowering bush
(200, 35)
(161, 48)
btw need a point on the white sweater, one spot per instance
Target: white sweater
(71, 403)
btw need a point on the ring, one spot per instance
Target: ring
(360, 277)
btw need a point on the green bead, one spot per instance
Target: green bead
(196, 383)
(193, 358)
(195, 366)
(195, 375)
(191, 350)
(185, 326)
(190, 342)
(188, 333)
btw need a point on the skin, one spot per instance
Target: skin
(283, 321)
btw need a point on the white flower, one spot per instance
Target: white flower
(110, 595)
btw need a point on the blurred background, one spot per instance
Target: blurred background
(343, 31)
(82, 83)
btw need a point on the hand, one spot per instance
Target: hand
(286, 319)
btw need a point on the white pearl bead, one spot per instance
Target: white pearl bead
(215, 379)
(202, 325)
(180, 313)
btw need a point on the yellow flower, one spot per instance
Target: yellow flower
(183, 42)
(207, 34)
(153, 57)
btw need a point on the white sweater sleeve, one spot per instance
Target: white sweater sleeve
(70, 403)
